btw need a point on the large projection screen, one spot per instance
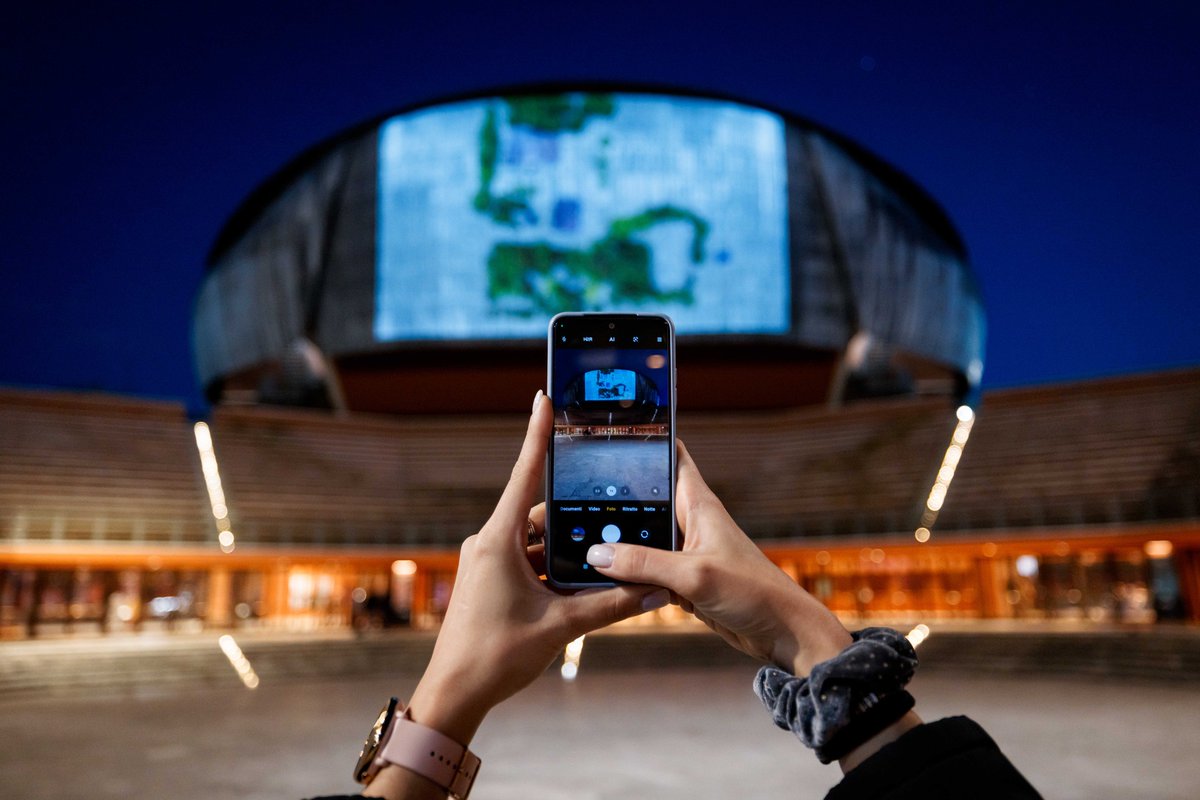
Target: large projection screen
(495, 214)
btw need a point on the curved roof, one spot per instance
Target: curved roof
(277, 182)
(387, 240)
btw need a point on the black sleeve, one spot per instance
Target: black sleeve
(950, 758)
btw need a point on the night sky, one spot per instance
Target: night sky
(1061, 139)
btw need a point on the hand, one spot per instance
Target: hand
(722, 577)
(504, 626)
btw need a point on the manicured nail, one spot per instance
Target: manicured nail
(655, 599)
(537, 399)
(600, 555)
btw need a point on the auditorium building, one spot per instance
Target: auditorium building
(371, 329)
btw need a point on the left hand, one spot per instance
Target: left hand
(505, 626)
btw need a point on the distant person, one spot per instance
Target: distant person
(841, 693)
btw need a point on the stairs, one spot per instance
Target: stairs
(135, 668)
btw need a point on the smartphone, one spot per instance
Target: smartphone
(610, 468)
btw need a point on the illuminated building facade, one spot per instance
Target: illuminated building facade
(1064, 504)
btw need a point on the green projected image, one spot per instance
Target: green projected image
(496, 214)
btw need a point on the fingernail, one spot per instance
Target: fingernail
(600, 555)
(537, 398)
(655, 600)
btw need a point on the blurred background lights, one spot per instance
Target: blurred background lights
(945, 473)
(1027, 566)
(571, 655)
(238, 659)
(574, 649)
(953, 454)
(404, 568)
(162, 606)
(918, 635)
(1158, 548)
(975, 371)
(212, 482)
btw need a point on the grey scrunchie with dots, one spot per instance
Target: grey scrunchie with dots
(846, 700)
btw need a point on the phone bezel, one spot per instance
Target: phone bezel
(591, 316)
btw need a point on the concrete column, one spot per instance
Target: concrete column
(275, 595)
(219, 613)
(420, 597)
(937, 589)
(1187, 563)
(992, 604)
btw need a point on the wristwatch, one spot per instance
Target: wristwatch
(396, 739)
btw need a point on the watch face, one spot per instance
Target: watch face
(374, 739)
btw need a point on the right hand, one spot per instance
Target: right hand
(722, 577)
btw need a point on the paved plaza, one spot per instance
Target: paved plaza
(686, 734)
(636, 469)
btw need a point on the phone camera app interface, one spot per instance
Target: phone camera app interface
(611, 453)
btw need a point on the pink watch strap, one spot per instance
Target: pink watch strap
(430, 754)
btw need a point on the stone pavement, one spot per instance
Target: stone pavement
(667, 733)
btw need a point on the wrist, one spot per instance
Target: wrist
(848, 700)
(413, 760)
(444, 703)
(817, 646)
(810, 634)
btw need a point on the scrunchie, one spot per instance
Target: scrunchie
(846, 700)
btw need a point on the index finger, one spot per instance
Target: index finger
(523, 485)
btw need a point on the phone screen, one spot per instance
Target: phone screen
(611, 462)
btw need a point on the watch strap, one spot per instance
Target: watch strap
(431, 754)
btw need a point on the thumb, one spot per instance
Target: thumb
(638, 564)
(596, 608)
(518, 496)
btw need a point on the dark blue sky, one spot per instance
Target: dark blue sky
(1061, 138)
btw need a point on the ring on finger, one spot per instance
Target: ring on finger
(532, 536)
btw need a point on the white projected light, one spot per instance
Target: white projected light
(530, 205)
